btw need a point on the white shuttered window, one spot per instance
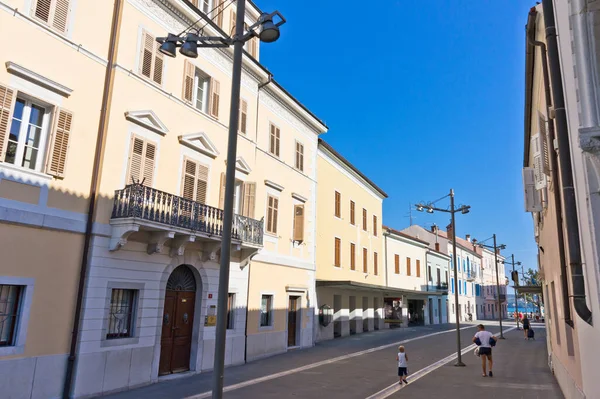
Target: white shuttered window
(55, 13)
(142, 157)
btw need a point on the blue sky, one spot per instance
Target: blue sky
(422, 97)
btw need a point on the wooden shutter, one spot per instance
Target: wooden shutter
(545, 150)
(299, 223)
(142, 155)
(364, 219)
(243, 116)
(146, 54)
(352, 256)
(222, 192)
(61, 15)
(7, 102)
(397, 264)
(277, 136)
(215, 88)
(336, 256)
(220, 13)
(272, 139)
(299, 156)
(158, 64)
(352, 214)
(202, 184)
(374, 225)
(365, 260)
(42, 9)
(408, 266)
(189, 179)
(249, 199)
(59, 143)
(418, 268)
(189, 71)
(148, 170)
(338, 199)
(375, 269)
(253, 47)
(273, 205)
(232, 17)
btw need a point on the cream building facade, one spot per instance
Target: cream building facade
(149, 304)
(350, 262)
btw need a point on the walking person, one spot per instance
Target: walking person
(484, 339)
(526, 326)
(402, 365)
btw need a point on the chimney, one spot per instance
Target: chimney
(437, 246)
(449, 229)
(434, 228)
(468, 237)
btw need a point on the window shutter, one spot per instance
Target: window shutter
(277, 136)
(532, 196)
(249, 199)
(418, 266)
(336, 258)
(243, 116)
(253, 47)
(158, 64)
(222, 192)
(352, 215)
(365, 260)
(299, 223)
(215, 88)
(272, 139)
(146, 54)
(61, 15)
(275, 214)
(374, 225)
(538, 162)
(232, 17)
(7, 102)
(188, 81)
(202, 184)
(41, 9)
(375, 269)
(148, 171)
(59, 143)
(220, 13)
(397, 264)
(337, 199)
(545, 150)
(408, 266)
(352, 256)
(189, 178)
(364, 219)
(136, 152)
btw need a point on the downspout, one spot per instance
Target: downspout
(94, 186)
(385, 236)
(564, 279)
(260, 86)
(566, 171)
(247, 311)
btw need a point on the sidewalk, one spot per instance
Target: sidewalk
(520, 371)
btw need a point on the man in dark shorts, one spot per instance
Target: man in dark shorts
(485, 349)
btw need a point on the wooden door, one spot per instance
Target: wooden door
(176, 340)
(292, 320)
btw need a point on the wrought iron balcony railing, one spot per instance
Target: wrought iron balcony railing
(147, 203)
(442, 286)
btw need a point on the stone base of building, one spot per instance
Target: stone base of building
(567, 384)
(39, 377)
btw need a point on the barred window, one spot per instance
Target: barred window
(10, 297)
(122, 307)
(266, 309)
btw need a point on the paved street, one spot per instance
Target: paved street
(361, 366)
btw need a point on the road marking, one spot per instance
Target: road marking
(395, 387)
(255, 381)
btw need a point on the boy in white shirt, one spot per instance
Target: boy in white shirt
(485, 348)
(402, 365)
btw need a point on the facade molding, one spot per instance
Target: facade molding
(38, 79)
(201, 143)
(147, 119)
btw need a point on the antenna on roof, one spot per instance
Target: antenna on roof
(410, 214)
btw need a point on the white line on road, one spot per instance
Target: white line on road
(255, 381)
(395, 387)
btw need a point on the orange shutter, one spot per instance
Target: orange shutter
(215, 88)
(232, 17)
(352, 256)
(189, 178)
(375, 270)
(364, 219)
(220, 13)
(61, 15)
(59, 143)
(188, 81)
(374, 225)
(158, 64)
(7, 102)
(299, 223)
(365, 260)
(418, 268)
(273, 205)
(408, 266)
(338, 199)
(243, 116)
(397, 264)
(336, 258)
(222, 192)
(249, 199)
(352, 209)
(42, 9)
(253, 47)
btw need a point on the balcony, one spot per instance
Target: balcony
(441, 287)
(470, 275)
(169, 217)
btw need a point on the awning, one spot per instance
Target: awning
(528, 289)
(387, 291)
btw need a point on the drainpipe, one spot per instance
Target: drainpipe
(260, 86)
(566, 171)
(94, 186)
(564, 279)
(247, 311)
(385, 236)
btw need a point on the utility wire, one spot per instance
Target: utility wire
(207, 22)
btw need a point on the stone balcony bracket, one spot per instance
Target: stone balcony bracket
(119, 234)
(157, 241)
(179, 243)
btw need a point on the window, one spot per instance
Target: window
(452, 308)
(397, 264)
(375, 270)
(364, 219)
(243, 128)
(274, 142)
(352, 213)
(352, 256)
(266, 310)
(429, 275)
(230, 311)
(374, 225)
(459, 287)
(219, 13)
(408, 271)
(337, 205)
(54, 13)
(28, 131)
(446, 276)
(142, 154)
(201, 84)
(298, 223)
(299, 156)
(151, 60)
(418, 267)
(365, 260)
(10, 298)
(337, 252)
(452, 284)
(195, 181)
(272, 211)
(122, 306)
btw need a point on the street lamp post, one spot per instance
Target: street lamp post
(464, 209)
(496, 247)
(268, 32)
(513, 263)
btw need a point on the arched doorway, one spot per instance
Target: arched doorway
(178, 321)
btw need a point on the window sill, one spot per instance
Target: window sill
(266, 328)
(107, 343)
(15, 173)
(11, 350)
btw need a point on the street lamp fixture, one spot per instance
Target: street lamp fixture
(267, 31)
(464, 210)
(513, 263)
(496, 247)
